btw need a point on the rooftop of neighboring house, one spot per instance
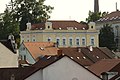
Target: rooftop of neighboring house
(38, 49)
(10, 43)
(61, 25)
(105, 65)
(24, 72)
(113, 16)
(88, 56)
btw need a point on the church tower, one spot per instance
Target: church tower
(96, 6)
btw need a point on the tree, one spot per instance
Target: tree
(94, 16)
(33, 11)
(8, 25)
(106, 37)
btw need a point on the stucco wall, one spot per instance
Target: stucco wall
(7, 57)
(66, 69)
(24, 52)
(36, 76)
(43, 35)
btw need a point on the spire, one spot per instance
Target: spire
(96, 6)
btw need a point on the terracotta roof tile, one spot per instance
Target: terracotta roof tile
(63, 24)
(113, 16)
(104, 65)
(38, 49)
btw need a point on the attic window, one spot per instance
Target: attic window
(75, 28)
(48, 27)
(78, 57)
(71, 57)
(59, 28)
(92, 27)
(84, 57)
(41, 48)
(97, 57)
(49, 57)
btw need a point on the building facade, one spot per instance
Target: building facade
(64, 33)
(113, 19)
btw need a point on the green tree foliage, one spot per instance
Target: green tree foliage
(33, 11)
(94, 16)
(106, 37)
(8, 24)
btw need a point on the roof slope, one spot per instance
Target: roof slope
(113, 16)
(104, 65)
(37, 49)
(63, 24)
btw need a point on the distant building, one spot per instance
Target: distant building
(112, 19)
(64, 33)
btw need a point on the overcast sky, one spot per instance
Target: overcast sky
(73, 9)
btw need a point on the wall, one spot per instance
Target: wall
(43, 35)
(7, 57)
(66, 69)
(24, 52)
(36, 76)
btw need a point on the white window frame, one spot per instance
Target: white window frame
(28, 38)
(77, 42)
(58, 39)
(33, 38)
(83, 43)
(64, 42)
(92, 43)
(70, 43)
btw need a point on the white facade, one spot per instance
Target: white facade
(63, 69)
(7, 58)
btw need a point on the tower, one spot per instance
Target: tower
(96, 6)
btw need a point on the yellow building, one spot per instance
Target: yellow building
(64, 33)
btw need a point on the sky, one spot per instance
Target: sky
(73, 9)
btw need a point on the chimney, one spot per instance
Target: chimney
(104, 76)
(79, 49)
(96, 6)
(59, 52)
(90, 48)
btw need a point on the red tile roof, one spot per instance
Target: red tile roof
(104, 65)
(86, 56)
(63, 24)
(113, 16)
(38, 49)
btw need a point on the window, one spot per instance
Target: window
(48, 27)
(83, 41)
(70, 41)
(28, 39)
(77, 42)
(58, 41)
(48, 40)
(33, 39)
(64, 42)
(92, 41)
(91, 26)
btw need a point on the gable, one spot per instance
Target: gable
(66, 67)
